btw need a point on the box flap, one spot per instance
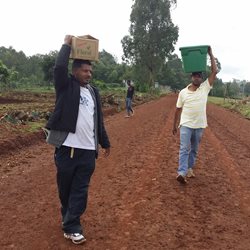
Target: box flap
(87, 37)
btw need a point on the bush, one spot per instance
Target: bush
(100, 85)
(142, 87)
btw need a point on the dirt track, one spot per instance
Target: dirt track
(135, 202)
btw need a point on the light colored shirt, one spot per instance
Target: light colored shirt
(83, 138)
(194, 105)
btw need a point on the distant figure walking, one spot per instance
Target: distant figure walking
(129, 98)
(191, 110)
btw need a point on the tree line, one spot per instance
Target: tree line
(148, 57)
(19, 71)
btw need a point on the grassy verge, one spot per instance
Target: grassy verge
(238, 106)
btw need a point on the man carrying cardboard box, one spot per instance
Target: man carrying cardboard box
(76, 128)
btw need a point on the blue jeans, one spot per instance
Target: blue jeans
(129, 105)
(189, 143)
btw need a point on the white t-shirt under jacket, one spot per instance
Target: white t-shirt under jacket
(83, 138)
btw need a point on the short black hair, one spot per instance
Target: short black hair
(196, 73)
(77, 63)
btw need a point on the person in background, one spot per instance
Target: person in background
(129, 98)
(191, 111)
(75, 128)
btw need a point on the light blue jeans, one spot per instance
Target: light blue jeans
(129, 105)
(189, 143)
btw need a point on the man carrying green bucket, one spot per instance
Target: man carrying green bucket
(191, 112)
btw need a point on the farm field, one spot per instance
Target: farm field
(135, 202)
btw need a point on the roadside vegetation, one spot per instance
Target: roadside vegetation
(27, 110)
(26, 82)
(241, 106)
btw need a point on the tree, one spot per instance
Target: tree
(34, 67)
(13, 59)
(107, 69)
(247, 89)
(218, 88)
(25, 68)
(47, 64)
(4, 73)
(232, 90)
(172, 73)
(7, 77)
(152, 36)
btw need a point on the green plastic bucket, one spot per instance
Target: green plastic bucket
(194, 58)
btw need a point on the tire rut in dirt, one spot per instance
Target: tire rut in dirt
(139, 186)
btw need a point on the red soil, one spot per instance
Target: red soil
(135, 202)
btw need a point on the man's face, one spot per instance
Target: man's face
(83, 74)
(196, 79)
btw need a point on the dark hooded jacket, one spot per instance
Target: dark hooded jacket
(63, 119)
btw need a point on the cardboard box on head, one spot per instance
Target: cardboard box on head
(85, 47)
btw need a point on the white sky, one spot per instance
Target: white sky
(39, 26)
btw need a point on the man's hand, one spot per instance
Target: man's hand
(106, 152)
(68, 40)
(210, 51)
(174, 131)
(176, 119)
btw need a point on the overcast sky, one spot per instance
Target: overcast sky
(39, 26)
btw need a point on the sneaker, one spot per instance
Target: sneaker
(190, 173)
(76, 238)
(127, 116)
(181, 179)
(132, 112)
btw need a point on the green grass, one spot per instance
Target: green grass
(50, 89)
(35, 126)
(232, 104)
(216, 100)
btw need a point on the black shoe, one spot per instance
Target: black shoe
(181, 179)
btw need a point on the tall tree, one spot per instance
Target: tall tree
(4, 73)
(108, 70)
(6, 76)
(47, 64)
(13, 59)
(172, 73)
(218, 88)
(247, 89)
(27, 67)
(152, 36)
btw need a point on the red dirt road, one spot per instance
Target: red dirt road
(135, 202)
